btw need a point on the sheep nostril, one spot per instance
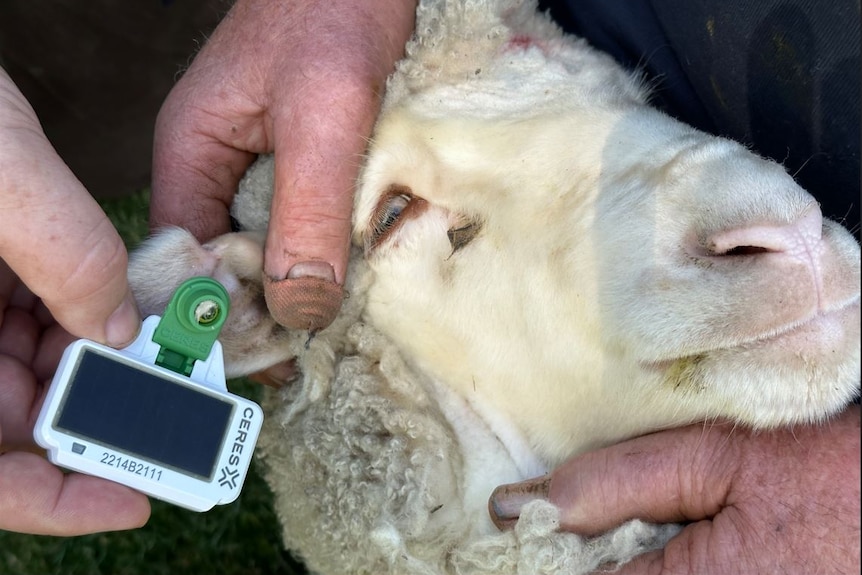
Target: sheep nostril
(795, 238)
(745, 251)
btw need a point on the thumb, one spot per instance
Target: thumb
(309, 231)
(325, 110)
(55, 237)
(318, 145)
(670, 476)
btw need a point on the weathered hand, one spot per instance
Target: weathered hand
(54, 235)
(36, 496)
(55, 239)
(303, 79)
(785, 501)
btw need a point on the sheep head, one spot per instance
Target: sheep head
(587, 276)
(580, 266)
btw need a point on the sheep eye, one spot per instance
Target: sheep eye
(397, 205)
(388, 213)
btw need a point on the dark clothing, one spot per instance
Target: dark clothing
(782, 76)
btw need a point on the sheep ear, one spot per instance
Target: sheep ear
(160, 264)
(251, 340)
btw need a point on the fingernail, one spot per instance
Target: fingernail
(307, 299)
(313, 269)
(123, 325)
(506, 501)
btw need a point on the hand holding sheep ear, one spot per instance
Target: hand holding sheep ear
(56, 243)
(302, 79)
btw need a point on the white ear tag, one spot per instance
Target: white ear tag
(156, 415)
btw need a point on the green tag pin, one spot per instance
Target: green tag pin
(191, 324)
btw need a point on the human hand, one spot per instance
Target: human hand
(55, 239)
(785, 501)
(301, 78)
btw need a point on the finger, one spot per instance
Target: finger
(58, 241)
(320, 133)
(320, 137)
(309, 233)
(36, 497)
(319, 142)
(671, 476)
(19, 396)
(676, 475)
(78, 268)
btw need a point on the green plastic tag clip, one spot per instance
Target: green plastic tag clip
(191, 324)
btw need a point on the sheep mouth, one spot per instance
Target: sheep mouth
(825, 331)
(824, 328)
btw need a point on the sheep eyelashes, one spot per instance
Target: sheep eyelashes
(396, 205)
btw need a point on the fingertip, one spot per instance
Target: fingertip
(124, 323)
(307, 303)
(305, 264)
(37, 497)
(83, 281)
(506, 501)
(305, 261)
(92, 504)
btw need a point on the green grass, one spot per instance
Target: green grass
(242, 538)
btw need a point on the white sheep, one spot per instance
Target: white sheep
(543, 265)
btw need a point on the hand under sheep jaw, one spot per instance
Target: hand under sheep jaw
(543, 265)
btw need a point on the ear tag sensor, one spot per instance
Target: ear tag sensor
(156, 415)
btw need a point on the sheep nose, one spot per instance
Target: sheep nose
(798, 238)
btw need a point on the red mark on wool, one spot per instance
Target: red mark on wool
(520, 42)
